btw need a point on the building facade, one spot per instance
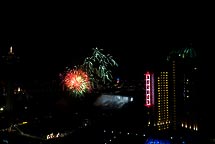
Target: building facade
(175, 101)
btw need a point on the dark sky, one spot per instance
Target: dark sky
(49, 37)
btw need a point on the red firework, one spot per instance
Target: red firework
(77, 81)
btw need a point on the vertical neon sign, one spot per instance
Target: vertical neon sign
(148, 90)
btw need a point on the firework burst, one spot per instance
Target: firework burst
(77, 81)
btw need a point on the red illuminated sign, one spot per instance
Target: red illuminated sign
(149, 88)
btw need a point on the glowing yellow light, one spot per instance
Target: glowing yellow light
(11, 50)
(19, 89)
(78, 78)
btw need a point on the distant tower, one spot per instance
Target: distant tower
(11, 50)
(171, 92)
(183, 89)
(9, 75)
(162, 105)
(11, 58)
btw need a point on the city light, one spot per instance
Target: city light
(149, 89)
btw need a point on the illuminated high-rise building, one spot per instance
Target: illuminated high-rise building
(157, 99)
(183, 88)
(162, 107)
(171, 92)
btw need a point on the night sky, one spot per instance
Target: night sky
(50, 37)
